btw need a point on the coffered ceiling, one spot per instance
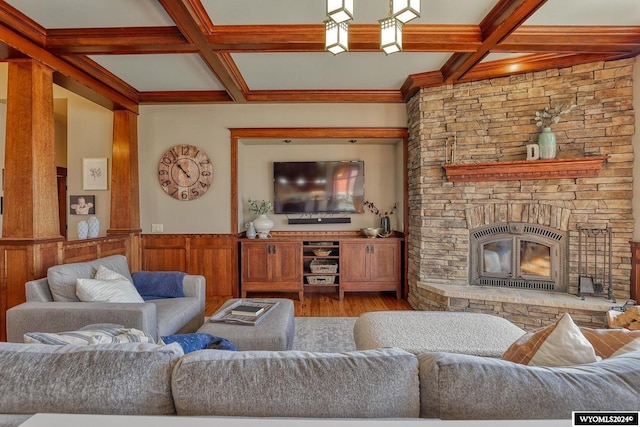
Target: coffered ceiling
(122, 53)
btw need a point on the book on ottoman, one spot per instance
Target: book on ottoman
(244, 312)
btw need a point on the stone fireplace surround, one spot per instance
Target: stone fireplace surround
(490, 121)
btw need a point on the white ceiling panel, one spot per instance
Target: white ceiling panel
(350, 70)
(169, 72)
(587, 12)
(245, 12)
(93, 13)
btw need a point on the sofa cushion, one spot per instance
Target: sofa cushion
(118, 290)
(85, 336)
(198, 341)
(63, 278)
(126, 379)
(159, 284)
(559, 344)
(365, 384)
(458, 386)
(172, 314)
(612, 342)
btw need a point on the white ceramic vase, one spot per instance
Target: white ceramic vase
(94, 227)
(83, 230)
(263, 226)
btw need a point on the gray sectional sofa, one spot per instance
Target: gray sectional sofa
(52, 305)
(378, 383)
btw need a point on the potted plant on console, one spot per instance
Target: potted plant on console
(385, 221)
(544, 118)
(263, 224)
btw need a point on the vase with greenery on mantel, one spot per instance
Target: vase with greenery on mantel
(263, 224)
(544, 118)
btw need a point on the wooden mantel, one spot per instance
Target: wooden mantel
(525, 169)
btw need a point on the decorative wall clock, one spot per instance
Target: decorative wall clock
(185, 172)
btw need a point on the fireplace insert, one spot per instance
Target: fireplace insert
(519, 255)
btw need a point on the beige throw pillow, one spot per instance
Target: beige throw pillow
(559, 344)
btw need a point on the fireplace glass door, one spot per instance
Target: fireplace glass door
(533, 259)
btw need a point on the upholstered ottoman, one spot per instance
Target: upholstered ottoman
(274, 332)
(421, 331)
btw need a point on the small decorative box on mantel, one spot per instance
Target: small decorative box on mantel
(524, 169)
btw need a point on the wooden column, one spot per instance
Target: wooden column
(125, 194)
(31, 239)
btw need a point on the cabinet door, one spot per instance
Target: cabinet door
(285, 262)
(385, 262)
(255, 262)
(353, 261)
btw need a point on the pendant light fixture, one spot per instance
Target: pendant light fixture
(336, 27)
(340, 10)
(390, 35)
(336, 36)
(405, 10)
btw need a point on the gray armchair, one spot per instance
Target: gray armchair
(44, 313)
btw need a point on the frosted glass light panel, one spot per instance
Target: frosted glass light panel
(336, 36)
(406, 10)
(390, 35)
(340, 10)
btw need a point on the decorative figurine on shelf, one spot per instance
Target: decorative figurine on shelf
(544, 118)
(385, 220)
(251, 231)
(263, 224)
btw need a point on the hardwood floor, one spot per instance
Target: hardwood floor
(319, 305)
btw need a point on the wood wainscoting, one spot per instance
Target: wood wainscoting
(214, 256)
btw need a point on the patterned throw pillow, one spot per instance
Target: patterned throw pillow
(105, 335)
(612, 342)
(103, 273)
(198, 341)
(559, 344)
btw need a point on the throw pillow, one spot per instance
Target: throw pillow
(105, 335)
(103, 273)
(612, 342)
(198, 341)
(159, 284)
(559, 344)
(94, 290)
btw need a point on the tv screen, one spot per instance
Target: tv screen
(318, 187)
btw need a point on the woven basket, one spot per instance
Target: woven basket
(321, 280)
(323, 266)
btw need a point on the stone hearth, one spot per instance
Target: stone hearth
(490, 121)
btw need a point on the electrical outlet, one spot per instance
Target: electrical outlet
(156, 228)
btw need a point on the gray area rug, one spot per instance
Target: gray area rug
(324, 334)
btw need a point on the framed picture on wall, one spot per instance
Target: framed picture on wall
(94, 174)
(82, 205)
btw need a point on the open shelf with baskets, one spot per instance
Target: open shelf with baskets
(321, 265)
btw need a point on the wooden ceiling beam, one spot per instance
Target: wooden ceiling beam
(342, 96)
(503, 19)
(571, 39)
(176, 97)
(91, 87)
(135, 40)
(362, 37)
(187, 14)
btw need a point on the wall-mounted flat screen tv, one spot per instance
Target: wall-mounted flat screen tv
(318, 187)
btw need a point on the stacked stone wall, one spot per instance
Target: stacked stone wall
(491, 121)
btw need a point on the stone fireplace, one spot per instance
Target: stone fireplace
(474, 243)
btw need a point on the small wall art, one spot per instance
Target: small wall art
(82, 205)
(94, 174)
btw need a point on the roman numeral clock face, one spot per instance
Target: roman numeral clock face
(185, 172)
